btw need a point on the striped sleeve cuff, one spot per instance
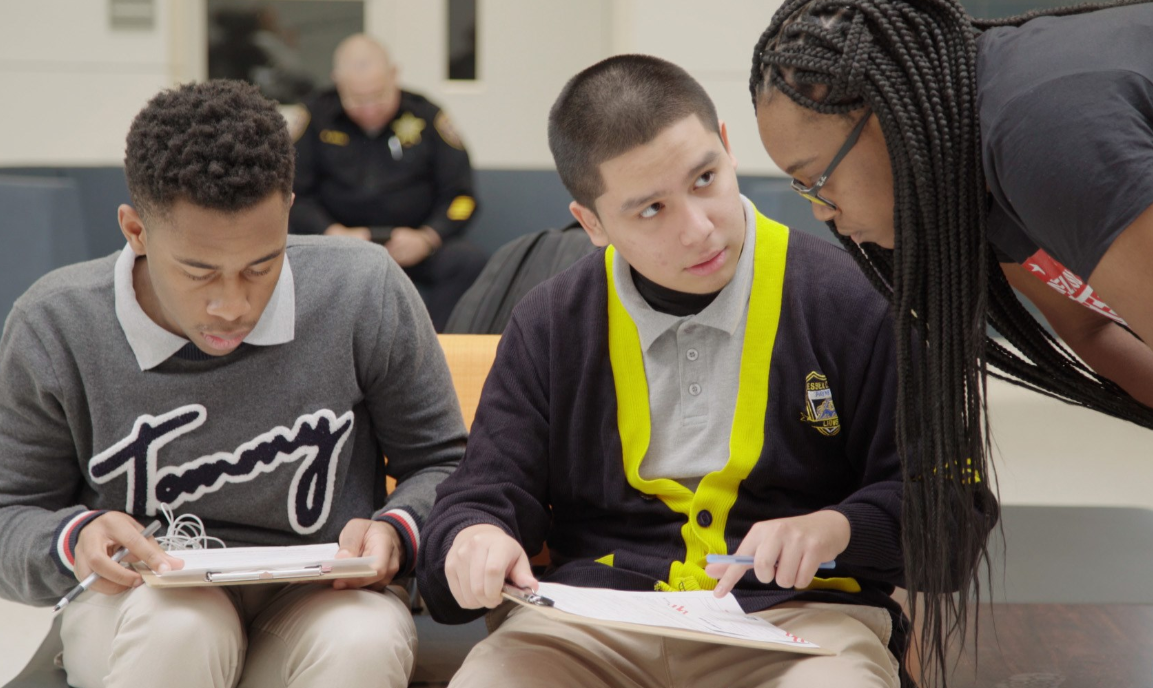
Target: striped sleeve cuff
(64, 540)
(408, 527)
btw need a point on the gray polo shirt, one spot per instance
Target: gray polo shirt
(692, 365)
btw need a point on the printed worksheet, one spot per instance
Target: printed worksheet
(692, 611)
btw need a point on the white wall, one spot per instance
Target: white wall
(1048, 452)
(713, 42)
(71, 85)
(527, 50)
(530, 48)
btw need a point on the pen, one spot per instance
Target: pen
(748, 561)
(528, 595)
(87, 582)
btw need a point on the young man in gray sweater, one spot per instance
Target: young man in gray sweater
(221, 368)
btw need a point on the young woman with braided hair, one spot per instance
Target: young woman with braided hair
(954, 158)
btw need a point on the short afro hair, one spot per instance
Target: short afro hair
(219, 145)
(614, 106)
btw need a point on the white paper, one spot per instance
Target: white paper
(698, 610)
(245, 558)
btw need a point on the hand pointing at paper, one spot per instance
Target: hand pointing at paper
(787, 550)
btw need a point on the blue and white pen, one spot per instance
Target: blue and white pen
(748, 561)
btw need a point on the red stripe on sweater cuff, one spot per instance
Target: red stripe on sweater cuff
(64, 542)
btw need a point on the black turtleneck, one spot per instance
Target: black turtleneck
(665, 300)
(191, 352)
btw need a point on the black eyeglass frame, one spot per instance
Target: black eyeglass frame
(812, 193)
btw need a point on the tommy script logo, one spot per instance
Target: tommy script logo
(314, 442)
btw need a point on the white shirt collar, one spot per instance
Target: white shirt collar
(152, 344)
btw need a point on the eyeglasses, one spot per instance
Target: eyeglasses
(812, 193)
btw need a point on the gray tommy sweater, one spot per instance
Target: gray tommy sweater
(270, 445)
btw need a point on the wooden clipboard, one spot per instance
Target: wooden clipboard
(543, 605)
(307, 570)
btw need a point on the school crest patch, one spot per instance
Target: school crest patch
(819, 409)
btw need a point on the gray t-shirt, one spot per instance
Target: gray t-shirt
(270, 445)
(1066, 108)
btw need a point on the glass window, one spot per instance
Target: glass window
(283, 46)
(462, 39)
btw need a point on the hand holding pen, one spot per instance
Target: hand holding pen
(101, 571)
(785, 551)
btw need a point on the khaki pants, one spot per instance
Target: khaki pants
(530, 650)
(254, 636)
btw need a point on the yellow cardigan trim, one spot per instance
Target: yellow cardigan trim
(717, 491)
(843, 584)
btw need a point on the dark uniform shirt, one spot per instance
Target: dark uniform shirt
(415, 172)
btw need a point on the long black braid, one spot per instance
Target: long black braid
(913, 63)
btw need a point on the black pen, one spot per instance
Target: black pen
(87, 582)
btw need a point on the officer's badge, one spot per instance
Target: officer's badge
(819, 409)
(447, 130)
(407, 128)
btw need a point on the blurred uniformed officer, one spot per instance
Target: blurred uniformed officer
(386, 165)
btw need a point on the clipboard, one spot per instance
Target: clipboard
(257, 565)
(559, 602)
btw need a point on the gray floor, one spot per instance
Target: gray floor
(21, 630)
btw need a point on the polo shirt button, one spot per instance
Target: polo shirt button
(704, 518)
(694, 389)
(692, 354)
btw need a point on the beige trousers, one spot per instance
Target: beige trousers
(257, 636)
(531, 650)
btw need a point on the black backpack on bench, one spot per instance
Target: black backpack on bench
(512, 272)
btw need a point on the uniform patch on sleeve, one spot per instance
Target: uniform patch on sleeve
(461, 208)
(447, 130)
(297, 118)
(333, 137)
(819, 409)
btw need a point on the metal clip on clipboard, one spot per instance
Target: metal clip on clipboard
(527, 595)
(267, 575)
